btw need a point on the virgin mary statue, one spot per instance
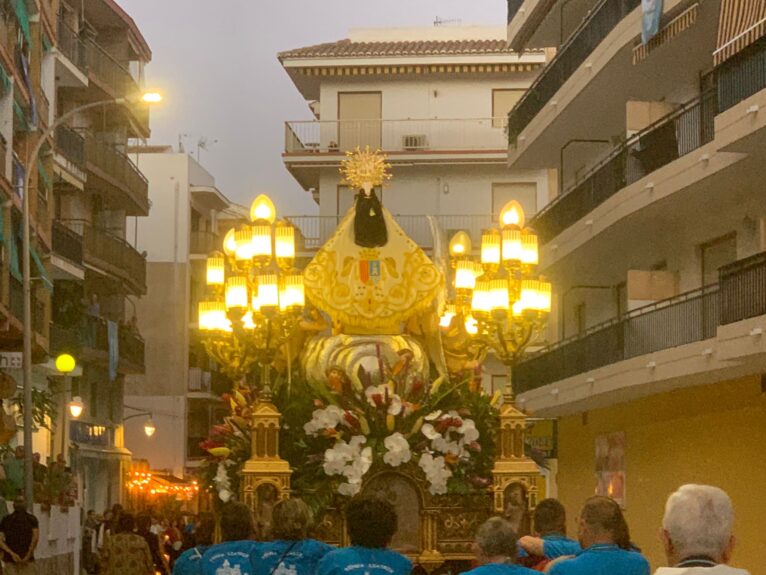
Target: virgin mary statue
(370, 277)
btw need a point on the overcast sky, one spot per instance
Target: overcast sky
(215, 61)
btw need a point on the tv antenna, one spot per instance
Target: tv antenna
(204, 144)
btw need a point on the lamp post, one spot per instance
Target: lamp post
(65, 365)
(149, 427)
(148, 98)
(255, 295)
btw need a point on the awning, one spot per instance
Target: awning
(5, 80)
(43, 273)
(44, 175)
(741, 22)
(98, 452)
(14, 253)
(685, 20)
(20, 7)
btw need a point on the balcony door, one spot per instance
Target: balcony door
(359, 116)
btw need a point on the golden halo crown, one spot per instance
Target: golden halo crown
(365, 166)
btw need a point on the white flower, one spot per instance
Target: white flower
(433, 415)
(395, 408)
(322, 419)
(349, 489)
(436, 472)
(224, 495)
(469, 431)
(398, 450)
(376, 395)
(349, 460)
(429, 431)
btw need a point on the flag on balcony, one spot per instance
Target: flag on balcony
(740, 23)
(112, 332)
(650, 21)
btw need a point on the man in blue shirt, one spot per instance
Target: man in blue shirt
(291, 552)
(371, 525)
(190, 561)
(495, 548)
(605, 540)
(550, 541)
(232, 557)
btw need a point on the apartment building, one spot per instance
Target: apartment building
(656, 247)
(435, 101)
(181, 387)
(55, 56)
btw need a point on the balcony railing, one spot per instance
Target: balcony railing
(108, 71)
(671, 137)
(199, 380)
(71, 145)
(203, 242)
(119, 167)
(693, 316)
(316, 230)
(70, 45)
(742, 75)
(67, 243)
(16, 305)
(131, 347)
(396, 136)
(591, 32)
(111, 253)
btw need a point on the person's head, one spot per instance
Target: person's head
(550, 517)
(236, 522)
(143, 523)
(203, 534)
(126, 523)
(371, 522)
(601, 521)
(698, 521)
(290, 520)
(20, 504)
(495, 541)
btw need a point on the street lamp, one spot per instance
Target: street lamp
(65, 364)
(149, 427)
(255, 295)
(147, 98)
(76, 407)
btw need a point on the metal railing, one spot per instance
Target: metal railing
(591, 32)
(743, 289)
(70, 45)
(396, 135)
(686, 318)
(316, 230)
(119, 167)
(71, 145)
(108, 71)
(203, 242)
(199, 380)
(67, 243)
(657, 145)
(131, 347)
(742, 75)
(111, 253)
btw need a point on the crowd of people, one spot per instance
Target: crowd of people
(696, 533)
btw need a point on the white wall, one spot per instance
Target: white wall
(166, 449)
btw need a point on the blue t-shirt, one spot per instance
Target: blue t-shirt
(297, 557)
(189, 562)
(501, 569)
(364, 561)
(229, 558)
(603, 560)
(556, 546)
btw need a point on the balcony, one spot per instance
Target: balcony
(70, 45)
(112, 170)
(67, 243)
(71, 145)
(687, 318)
(316, 230)
(203, 242)
(111, 254)
(132, 350)
(573, 53)
(668, 139)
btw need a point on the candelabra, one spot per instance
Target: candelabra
(255, 296)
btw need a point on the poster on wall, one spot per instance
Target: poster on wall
(610, 466)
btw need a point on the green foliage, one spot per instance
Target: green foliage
(43, 409)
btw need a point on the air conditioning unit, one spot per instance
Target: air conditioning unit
(414, 142)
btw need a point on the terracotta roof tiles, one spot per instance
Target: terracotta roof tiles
(348, 49)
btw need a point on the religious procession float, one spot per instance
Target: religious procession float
(361, 373)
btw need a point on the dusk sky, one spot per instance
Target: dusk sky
(216, 64)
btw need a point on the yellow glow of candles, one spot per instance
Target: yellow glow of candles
(212, 316)
(512, 248)
(284, 242)
(247, 320)
(529, 247)
(230, 243)
(498, 293)
(529, 294)
(261, 241)
(544, 295)
(236, 292)
(268, 291)
(512, 214)
(215, 271)
(460, 244)
(471, 325)
(263, 208)
(243, 239)
(446, 318)
(292, 295)
(490, 247)
(465, 276)
(481, 302)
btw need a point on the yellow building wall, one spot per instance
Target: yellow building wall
(713, 434)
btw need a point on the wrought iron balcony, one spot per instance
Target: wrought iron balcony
(116, 169)
(686, 318)
(70, 45)
(71, 145)
(67, 243)
(396, 136)
(742, 75)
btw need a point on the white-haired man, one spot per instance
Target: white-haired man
(697, 532)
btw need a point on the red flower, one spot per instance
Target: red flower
(351, 420)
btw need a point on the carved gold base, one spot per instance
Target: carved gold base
(262, 466)
(430, 559)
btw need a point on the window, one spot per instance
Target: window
(503, 102)
(715, 254)
(359, 119)
(523, 192)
